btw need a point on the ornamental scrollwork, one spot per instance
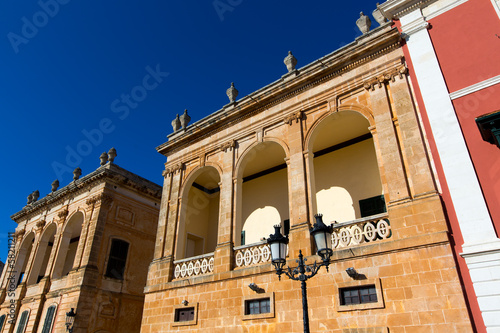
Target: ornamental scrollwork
(228, 145)
(102, 198)
(390, 76)
(296, 116)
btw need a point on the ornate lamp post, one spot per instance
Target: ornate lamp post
(322, 235)
(70, 319)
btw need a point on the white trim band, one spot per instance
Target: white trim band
(475, 87)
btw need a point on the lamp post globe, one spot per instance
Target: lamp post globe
(278, 244)
(322, 235)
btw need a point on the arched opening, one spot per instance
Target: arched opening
(68, 246)
(42, 256)
(262, 199)
(345, 177)
(23, 258)
(198, 226)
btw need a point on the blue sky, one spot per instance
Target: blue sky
(68, 66)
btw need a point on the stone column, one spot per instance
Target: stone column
(387, 146)
(84, 233)
(96, 226)
(420, 176)
(171, 211)
(38, 251)
(223, 256)
(162, 219)
(297, 188)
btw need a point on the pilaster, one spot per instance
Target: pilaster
(297, 188)
(387, 149)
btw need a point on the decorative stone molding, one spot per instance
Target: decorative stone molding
(231, 144)
(102, 198)
(62, 214)
(19, 234)
(173, 169)
(380, 80)
(40, 224)
(294, 116)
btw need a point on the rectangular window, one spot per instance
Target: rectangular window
(184, 314)
(257, 306)
(372, 206)
(243, 237)
(117, 259)
(358, 295)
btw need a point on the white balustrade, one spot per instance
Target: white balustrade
(364, 230)
(252, 254)
(194, 266)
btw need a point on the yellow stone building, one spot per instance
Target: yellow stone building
(86, 246)
(340, 136)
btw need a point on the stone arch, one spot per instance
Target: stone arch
(261, 190)
(239, 166)
(23, 257)
(197, 229)
(68, 244)
(42, 256)
(342, 164)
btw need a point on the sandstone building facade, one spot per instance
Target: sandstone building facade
(341, 136)
(86, 246)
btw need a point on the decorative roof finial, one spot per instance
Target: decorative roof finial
(185, 119)
(364, 23)
(55, 185)
(176, 123)
(103, 158)
(30, 198)
(77, 173)
(111, 155)
(232, 93)
(290, 62)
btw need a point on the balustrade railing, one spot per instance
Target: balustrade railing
(364, 230)
(252, 254)
(194, 266)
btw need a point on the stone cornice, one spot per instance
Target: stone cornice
(109, 172)
(366, 48)
(389, 76)
(394, 9)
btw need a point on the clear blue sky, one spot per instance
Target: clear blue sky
(65, 66)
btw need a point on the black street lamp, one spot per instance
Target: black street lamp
(322, 235)
(70, 320)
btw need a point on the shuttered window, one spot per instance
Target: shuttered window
(22, 322)
(49, 318)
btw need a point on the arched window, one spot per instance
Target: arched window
(21, 326)
(49, 319)
(117, 259)
(68, 245)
